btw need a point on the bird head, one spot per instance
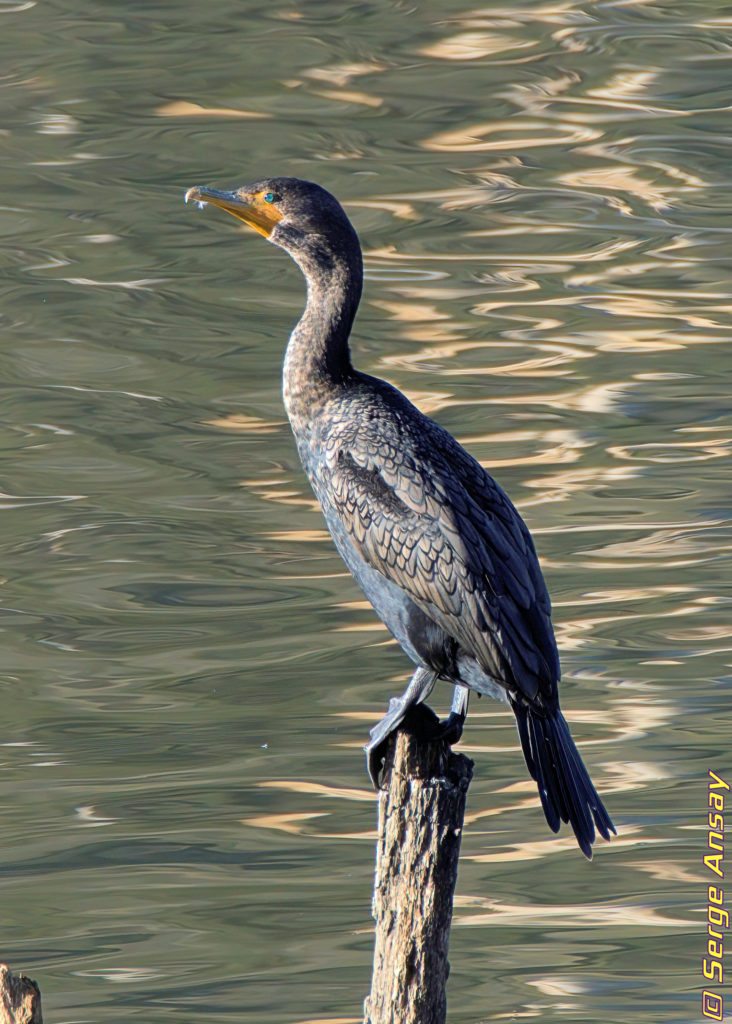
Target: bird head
(291, 213)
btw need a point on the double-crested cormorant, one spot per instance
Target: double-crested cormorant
(432, 540)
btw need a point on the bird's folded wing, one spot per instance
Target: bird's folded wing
(455, 559)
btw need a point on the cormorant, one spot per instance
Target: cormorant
(432, 540)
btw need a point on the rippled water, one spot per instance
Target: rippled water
(542, 191)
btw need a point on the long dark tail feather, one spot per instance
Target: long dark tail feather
(565, 788)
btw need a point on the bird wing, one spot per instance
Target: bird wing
(439, 527)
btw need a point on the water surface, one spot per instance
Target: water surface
(188, 673)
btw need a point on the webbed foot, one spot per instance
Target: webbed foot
(419, 688)
(448, 731)
(376, 747)
(452, 728)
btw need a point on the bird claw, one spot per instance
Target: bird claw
(451, 729)
(376, 747)
(375, 763)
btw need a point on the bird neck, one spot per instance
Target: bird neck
(317, 361)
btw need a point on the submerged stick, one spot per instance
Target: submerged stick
(20, 999)
(421, 811)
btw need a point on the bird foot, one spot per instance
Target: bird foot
(422, 719)
(375, 763)
(376, 747)
(451, 729)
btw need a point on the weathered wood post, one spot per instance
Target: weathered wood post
(421, 811)
(20, 999)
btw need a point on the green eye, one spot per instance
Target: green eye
(270, 197)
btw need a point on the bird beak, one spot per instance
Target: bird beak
(248, 207)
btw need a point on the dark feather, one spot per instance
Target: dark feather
(565, 788)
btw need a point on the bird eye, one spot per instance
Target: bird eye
(269, 197)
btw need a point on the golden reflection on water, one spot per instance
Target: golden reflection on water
(473, 46)
(296, 824)
(271, 489)
(293, 824)
(621, 179)
(349, 96)
(300, 535)
(183, 108)
(331, 1020)
(342, 74)
(319, 789)
(676, 451)
(245, 423)
(590, 915)
(483, 137)
(557, 355)
(400, 210)
(518, 851)
(668, 871)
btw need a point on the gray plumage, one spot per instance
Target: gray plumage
(432, 540)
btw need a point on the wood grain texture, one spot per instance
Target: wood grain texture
(421, 811)
(20, 999)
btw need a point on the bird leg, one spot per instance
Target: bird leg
(419, 688)
(452, 728)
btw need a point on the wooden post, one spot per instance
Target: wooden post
(20, 999)
(421, 811)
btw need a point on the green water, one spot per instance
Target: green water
(187, 673)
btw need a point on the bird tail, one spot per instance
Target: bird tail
(565, 787)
